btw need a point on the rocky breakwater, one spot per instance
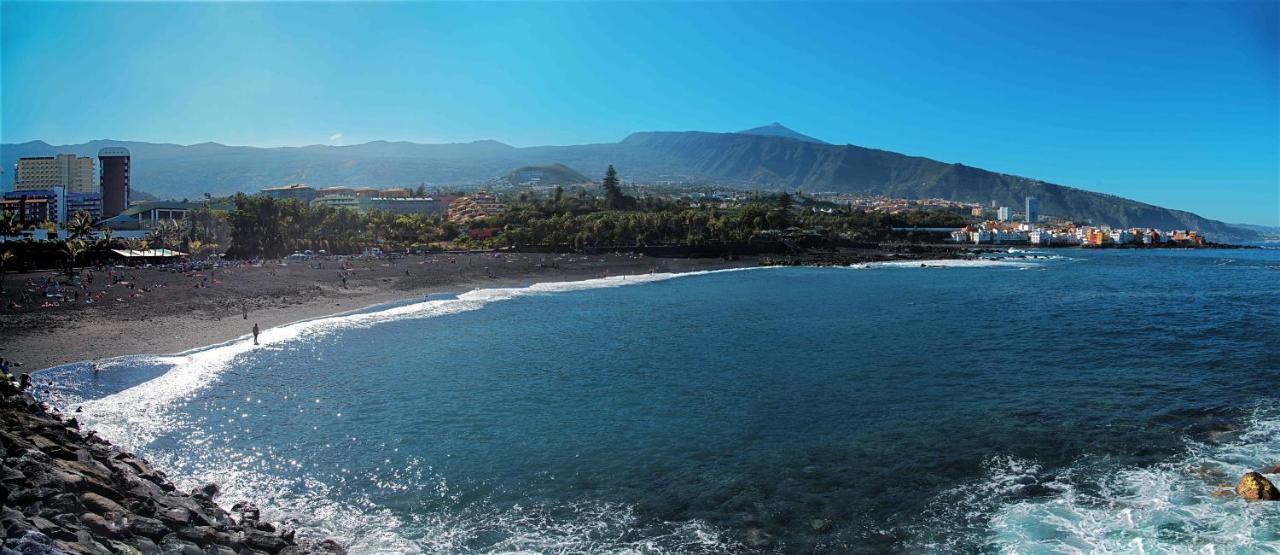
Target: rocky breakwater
(68, 491)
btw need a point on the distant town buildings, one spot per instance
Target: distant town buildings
(115, 180)
(74, 174)
(479, 205)
(1032, 211)
(1005, 214)
(296, 191)
(397, 200)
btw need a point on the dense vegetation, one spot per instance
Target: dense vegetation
(261, 226)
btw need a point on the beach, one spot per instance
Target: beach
(154, 310)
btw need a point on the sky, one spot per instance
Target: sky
(1172, 103)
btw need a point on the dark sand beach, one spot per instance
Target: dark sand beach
(169, 312)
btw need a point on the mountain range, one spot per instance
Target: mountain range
(772, 157)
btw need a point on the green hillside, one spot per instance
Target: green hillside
(546, 175)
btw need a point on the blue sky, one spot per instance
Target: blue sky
(1169, 103)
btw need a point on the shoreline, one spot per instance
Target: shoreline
(40, 341)
(67, 490)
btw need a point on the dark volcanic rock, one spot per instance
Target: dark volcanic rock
(68, 491)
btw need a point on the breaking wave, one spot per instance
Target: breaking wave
(1100, 505)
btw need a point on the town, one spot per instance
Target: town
(49, 191)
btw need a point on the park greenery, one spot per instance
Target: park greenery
(603, 217)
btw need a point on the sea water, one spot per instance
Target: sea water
(1065, 400)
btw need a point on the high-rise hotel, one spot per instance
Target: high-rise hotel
(115, 180)
(42, 173)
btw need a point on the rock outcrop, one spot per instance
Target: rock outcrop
(1256, 487)
(66, 491)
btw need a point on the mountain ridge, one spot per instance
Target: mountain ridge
(743, 160)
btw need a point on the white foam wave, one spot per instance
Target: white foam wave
(1166, 508)
(135, 417)
(956, 263)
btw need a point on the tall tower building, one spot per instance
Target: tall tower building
(1033, 210)
(115, 180)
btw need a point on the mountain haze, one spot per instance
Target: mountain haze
(765, 160)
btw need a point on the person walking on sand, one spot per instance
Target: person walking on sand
(244, 310)
(255, 333)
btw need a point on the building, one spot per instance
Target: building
(349, 202)
(479, 205)
(41, 173)
(85, 202)
(395, 192)
(1005, 214)
(409, 205)
(34, 207)
(1032, 210)
(295, 191)
(146, 215)
(115, 180)
(346, 191)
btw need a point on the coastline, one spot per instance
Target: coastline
(165, 326)
(67, 490)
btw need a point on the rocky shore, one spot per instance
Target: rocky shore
(67, 491)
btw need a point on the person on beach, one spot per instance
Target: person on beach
(4, 367)
(255, 333)
(244, 310)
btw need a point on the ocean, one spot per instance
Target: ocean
(1058, 400)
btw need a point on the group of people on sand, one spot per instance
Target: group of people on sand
(6, 374)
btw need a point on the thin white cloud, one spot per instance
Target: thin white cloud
(335, 137)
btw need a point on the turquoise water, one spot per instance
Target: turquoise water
(1072, 400)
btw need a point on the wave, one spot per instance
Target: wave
(144, 410)
(956, 263)
(1099, 506)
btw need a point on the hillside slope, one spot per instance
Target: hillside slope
(760, 161)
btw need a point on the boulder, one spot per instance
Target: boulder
(263, 541)
(148, 527)
(1255, 487)
(99, 526)
(1273, 469)
(100, 504)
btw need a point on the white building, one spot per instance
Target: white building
(338, 201)
(1005, 213)
(74, 174)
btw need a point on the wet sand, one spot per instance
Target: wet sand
(167, 312)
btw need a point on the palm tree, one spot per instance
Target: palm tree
(105, 241)
(72, 249)
(79, 225)
(9, 224)
(5, 258)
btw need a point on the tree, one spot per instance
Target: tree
(79, 225)
(614, 199)
(72, 249)
(6, 258)
(9, 224)
(785, 201)
(166, 234)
